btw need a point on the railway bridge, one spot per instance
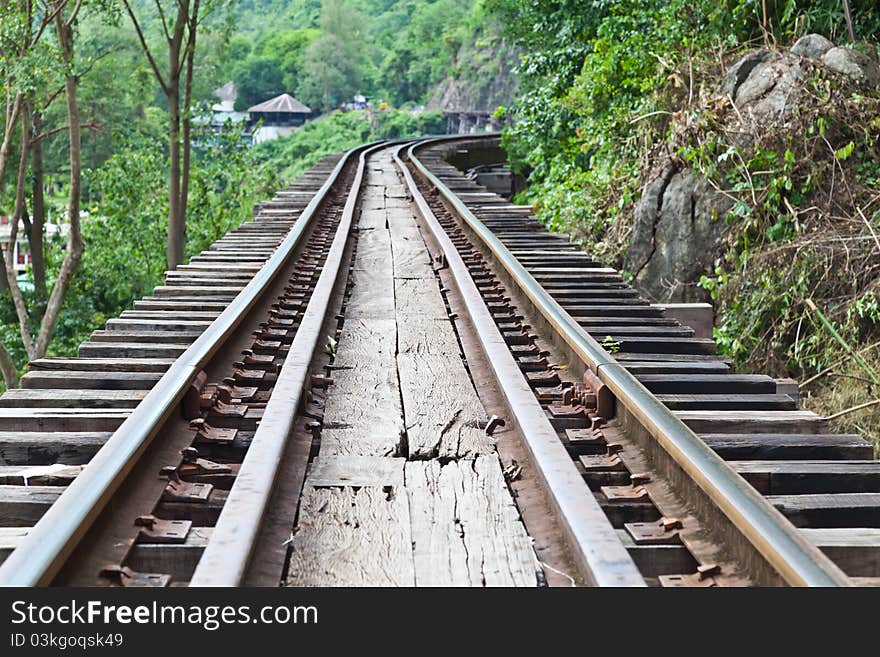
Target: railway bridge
(393, 376)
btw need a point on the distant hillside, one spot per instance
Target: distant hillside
(442, 53)
(481, 77)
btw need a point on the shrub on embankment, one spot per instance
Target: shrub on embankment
(710, 162)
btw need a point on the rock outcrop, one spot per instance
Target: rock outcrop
(679, 220)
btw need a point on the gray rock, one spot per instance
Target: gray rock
(679, 222)
(812, 46)
(766, 81)
(853, 63)
(740, 71)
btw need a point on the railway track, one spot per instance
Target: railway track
(201, 438)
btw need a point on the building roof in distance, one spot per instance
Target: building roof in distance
(283, 103)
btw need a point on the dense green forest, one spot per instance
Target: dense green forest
(614, 94)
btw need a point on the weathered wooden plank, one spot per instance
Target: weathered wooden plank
(22, 506)
(789, 446)
(830, 509)
(345, 470)
(371, 293)
(656, 560)
(372, 243)
(362, 339)
(102, 364)
(70, 398)
(39, 475)
(362, 413)
(130, 350)
(707, 383)
(170, 314)
(625, 358)
(422, 335)
(382, 437)
(797, 477)
(170, 325)
(753, 421)
(411, 259)
(61, 419)
(661, 368)
(728, 402)
(466, 530)
(90, 380)
(442, 413)
(176, 559)
(10, 537)
(855, 550)
(220, 292)
(155, 337)
(34, 448)
(419, 297)
(352, 537)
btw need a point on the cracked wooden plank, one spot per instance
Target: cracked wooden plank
(326, 471)
(372, 243)
(419, 335)
(370, 296)
(363, 338)
(442, 413)
(362, 412)
(418, 297)
(352, 537)
(411, 259)
(466, 530)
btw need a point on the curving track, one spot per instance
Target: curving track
(181, 446)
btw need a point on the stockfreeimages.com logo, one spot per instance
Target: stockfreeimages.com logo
(210, 617)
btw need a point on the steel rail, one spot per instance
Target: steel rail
(227, 556)
(596, 549)
(42, 552)
(779, 543)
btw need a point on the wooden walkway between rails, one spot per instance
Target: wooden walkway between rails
(407, 488)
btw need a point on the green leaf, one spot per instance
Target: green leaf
(844, 153)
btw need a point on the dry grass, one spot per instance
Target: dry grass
(845, 388)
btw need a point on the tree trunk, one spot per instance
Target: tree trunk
(8, 368)
(187, 107)
(74, 240)
(176, 221)
(38, 221)
(21, 309)
(13, 107)
(176, 211)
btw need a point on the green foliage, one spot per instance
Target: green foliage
(424, 49)
(256, 80)
(330, 76)
(126, 230)
(395, 50)
(798, 225)
(597, 80)
(602, 82)
(271, 66)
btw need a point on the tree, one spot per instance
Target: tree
(257, 79)
(288, 48)
(28, 67)
(333, 63)
(176, 84)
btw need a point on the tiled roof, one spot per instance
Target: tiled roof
(282, 103)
